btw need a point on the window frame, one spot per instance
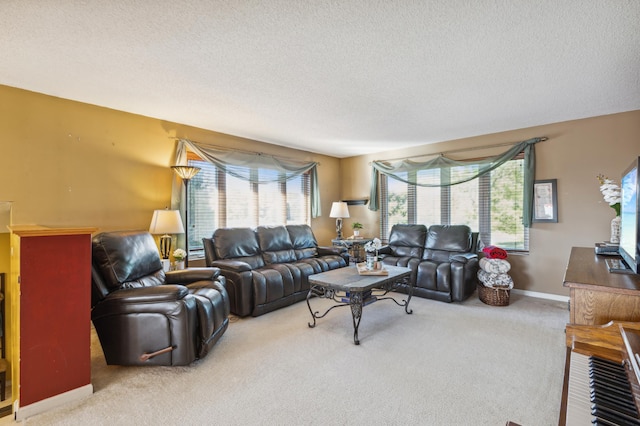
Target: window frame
(484, 204)
(300, 186)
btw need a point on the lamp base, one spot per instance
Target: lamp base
(339, 228)
(165, 246)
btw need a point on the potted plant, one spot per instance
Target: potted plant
(179, 255)
(357, 226)
(611, 192)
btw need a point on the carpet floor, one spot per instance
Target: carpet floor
(446, 364)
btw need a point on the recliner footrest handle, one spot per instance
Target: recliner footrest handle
(148, 356)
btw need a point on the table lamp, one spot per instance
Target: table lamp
(339, 210)
(166, 222)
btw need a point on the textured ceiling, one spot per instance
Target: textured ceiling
(335, 77)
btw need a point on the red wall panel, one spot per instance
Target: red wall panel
(55, 300)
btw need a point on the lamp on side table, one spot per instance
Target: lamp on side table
(339, 210)
(166, 222)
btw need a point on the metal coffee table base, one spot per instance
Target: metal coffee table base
(356, 296)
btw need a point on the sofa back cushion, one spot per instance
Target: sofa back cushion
(304, 242)
(407, 240)
(442, 240)
(275, 244)
(238, 244)
(125, 259)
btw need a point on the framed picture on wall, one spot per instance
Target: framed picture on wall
(545, 201)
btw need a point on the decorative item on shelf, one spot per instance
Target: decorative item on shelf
(360, 202)
(494, 284)
(166, 222)
(372, 248)
(179, 257)
(339, 210)
(186, 173)
(357, 226)
(611, 192)
(615, 230)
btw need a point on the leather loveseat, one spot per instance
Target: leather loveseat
(144, 316)
(443, 259)
(267, 268)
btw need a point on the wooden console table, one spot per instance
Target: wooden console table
(598, 296)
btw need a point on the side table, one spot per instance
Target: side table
(355, 247)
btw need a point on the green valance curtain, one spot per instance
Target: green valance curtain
(239, 165)
(453, 172)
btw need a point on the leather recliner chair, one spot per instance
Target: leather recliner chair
(144, 316)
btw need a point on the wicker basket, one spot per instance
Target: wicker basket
(493, 296)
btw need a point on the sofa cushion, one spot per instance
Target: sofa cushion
(272, 283)
(407, 240)
(449, 238)
(442, 240)
(275, 244)
(238, 244)
(304, 242)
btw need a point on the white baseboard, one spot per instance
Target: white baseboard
(21, 413)
(541, 295)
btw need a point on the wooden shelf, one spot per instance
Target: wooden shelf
(356, 202)
(598, 296)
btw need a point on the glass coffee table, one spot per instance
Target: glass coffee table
(347, 287)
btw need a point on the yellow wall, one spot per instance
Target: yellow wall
(575, 153)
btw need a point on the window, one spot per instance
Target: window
(490, 204)
(219, 200)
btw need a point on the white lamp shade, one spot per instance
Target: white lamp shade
(166, 222)
(339, 209)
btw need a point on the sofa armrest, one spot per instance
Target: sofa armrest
(231, 265)
(190, 275)
(239, 285)
(462, 257)
(329, 250)
(158, 293)
(161, 299)
(386, 250)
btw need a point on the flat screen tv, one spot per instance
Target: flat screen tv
(630, 216)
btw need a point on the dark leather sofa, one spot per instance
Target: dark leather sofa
(144, 316)
(267, 268)
(443, 259)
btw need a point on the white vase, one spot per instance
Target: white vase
(179, 265)
(371, 262)
(615, 230)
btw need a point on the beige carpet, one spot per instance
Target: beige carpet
(447, 364)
